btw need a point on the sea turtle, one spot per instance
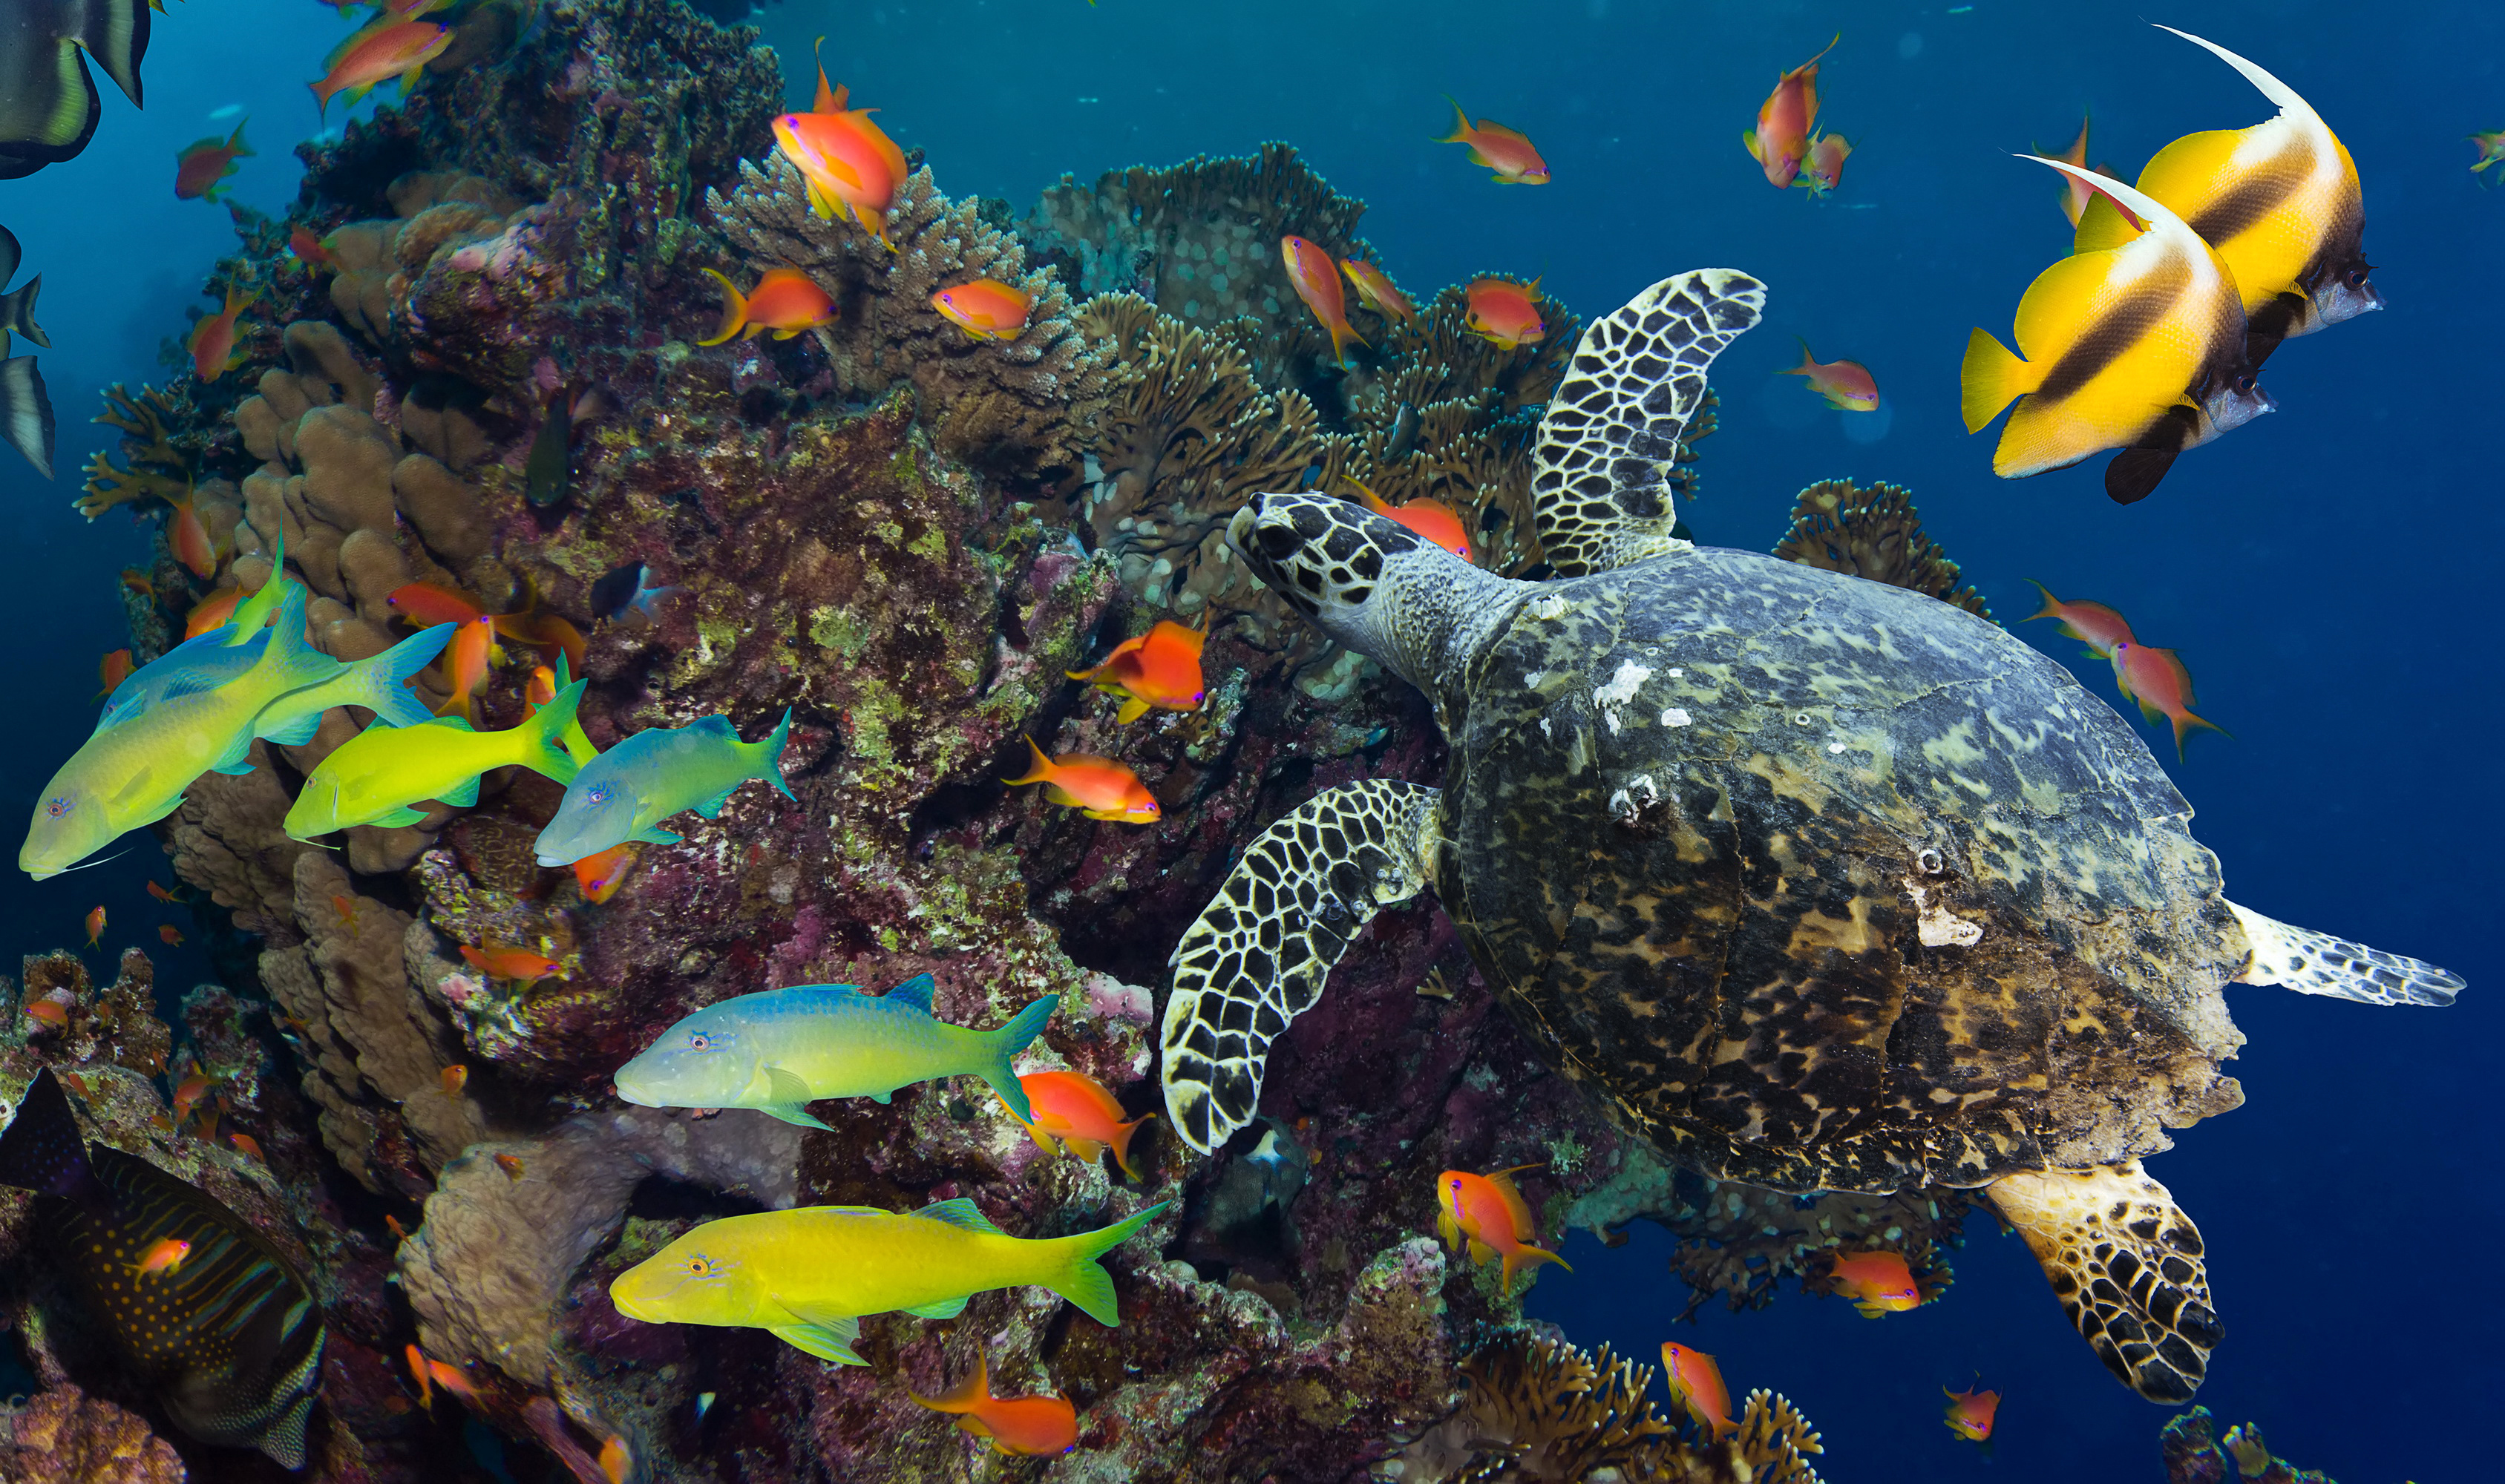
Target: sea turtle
(1812, 883)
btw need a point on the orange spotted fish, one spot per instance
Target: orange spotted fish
(212, 342)
(1781, 140)
(985, 309)
(2491, 148)
(600, 876)
(1097, 787)
(1433, 519)
(2093, 624)
(1080, 1113)
(1879, 1283)
(1488, 1214)
(1971, 1411)
(1015, 1424)
(1696, 1387)
(2163, 687)
(1376, 289)
(1160, 669)
(1847, 384)
(201, 168)
(1504, 150)
(785, 302)
(1316, 277)
(1505, 312)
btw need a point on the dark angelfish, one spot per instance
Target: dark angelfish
(25, 407)
(229, 1336)
(49, 106)
(548, 468)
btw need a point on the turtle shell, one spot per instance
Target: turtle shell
(1815, 882)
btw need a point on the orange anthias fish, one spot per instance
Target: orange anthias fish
(426, 604)
(465, 664)
(2093, 624)
(164, 1255)
(95, 926)
(1781, 140)
(2491, 148)
(848, 162)
(1505, 312)
(2076, 192)
(455, 1078)
(1160, 668)
(418, 1371)
(1878, 1282)
(1501, 150)
(201, 166)
(213, 339)
(1375, 287)
(600, 876)
(1079, 1112)
(190, 540)
(2159, 682)
(1847, 384)
(1316, 276)
(212, 613)
(1696, 1386)
(1097, 787)
(246, 1144)
(389, 49)
(1823, 169)
(785, 302)
(161, 894)
(1025, 1425)
(311, 251)
(1970, 1413)
(172, 935)
(616, 1461)
(513, 1168)
(497, 961)
(985, 309)
(50, 1013)
(113, 670)
(1433, 519)
(1488, 1213)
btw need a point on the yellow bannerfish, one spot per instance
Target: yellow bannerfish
(807, 1276)
(2138, 347)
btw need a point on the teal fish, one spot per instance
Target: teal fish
(379, 685)
(199, 664)
(204, 1309)
(778, 1050)
(627, 791)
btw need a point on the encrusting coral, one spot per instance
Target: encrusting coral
(1874, 534)
(66, 1436)
(2196, 1454)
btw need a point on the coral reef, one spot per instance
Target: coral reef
(66, 1436)
(2195, 1453)
(1874, 534)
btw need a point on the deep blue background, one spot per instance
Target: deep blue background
(2324, 571)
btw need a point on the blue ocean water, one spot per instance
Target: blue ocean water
(2325, 573)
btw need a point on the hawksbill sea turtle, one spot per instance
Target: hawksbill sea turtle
(1812, 883)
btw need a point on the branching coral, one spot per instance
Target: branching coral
(1012, 407)
(1875, 534)
(2195, 1453)
(158, 469)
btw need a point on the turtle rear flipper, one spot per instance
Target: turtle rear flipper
(1260, 951)
(1601, 472)
(2126, 1263)
(2308, 962)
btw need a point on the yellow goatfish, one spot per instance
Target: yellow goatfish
(2138, 347)
(2280, 202)
(134, 773)
(378, 775)
(808, 1276)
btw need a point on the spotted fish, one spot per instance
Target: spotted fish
(229, 1339)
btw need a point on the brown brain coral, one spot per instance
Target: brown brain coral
(1875, 534)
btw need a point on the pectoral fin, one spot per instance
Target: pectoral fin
(789, 1096)
(400, 816)
(655, 836)
(294, 734)
(1133, 708)
(462, 797)
(945, 1309)
(713, 805)
(831, 1342)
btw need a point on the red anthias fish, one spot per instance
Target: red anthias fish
(1780, 143)
(1315, 274)
(201, 168)
(1160, 669)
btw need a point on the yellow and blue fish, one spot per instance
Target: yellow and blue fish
(627, 791)
(227, 1333)
(808, 1276)
(379, 774)
(779, 1049)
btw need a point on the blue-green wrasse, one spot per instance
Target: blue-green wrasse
(627, 791)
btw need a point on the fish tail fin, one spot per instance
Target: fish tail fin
(42, 1151)
(2052, 607)
(965, 1396)
(26, 413)
(539, 744)
(1082, 1280)
(1007, 1042)
(1992, 378)
(734, 311)
(1038, 772)
(1461, 133)
(17, 312)
(1122, 1144)
(2185, 724)
(1808, 362)
(769, 756)
(235, 141)
(1340, 332)
(1527, 1256)
(383, 682)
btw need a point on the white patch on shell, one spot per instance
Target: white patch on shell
(1676, 717)
(1940, 927)
(1628, 805)
(1620, 690)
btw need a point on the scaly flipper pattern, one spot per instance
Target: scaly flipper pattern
(1261, 951)
(1601, 470)
(2308, 962)
(2126, 1263)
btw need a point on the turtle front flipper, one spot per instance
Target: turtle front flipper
(2308, 962)
(2126, 1263)
(1601, 471)
(1260, 951)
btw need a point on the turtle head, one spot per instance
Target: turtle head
(1373, 584)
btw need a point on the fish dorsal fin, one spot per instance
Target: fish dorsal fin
(960, 1213)
(716, 725)
(914, 993)
(2272, 88)
(452, 723)
(1514, 1205)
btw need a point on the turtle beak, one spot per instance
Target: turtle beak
(1239, 530)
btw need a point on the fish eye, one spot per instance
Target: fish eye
(699, 1040)
(701, 1266)
(597, 794)
(2245, 384)
(58, 805)
(2355, 277)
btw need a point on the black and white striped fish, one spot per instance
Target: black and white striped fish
(229, 1337)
